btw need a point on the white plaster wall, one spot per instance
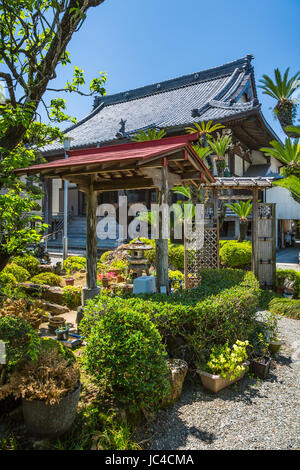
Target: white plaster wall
(258, 158)
(56, 185)
(238, 165)
(286, 206)
(274, 165)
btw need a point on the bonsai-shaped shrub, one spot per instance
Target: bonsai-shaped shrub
(75, 263)
(72, 296)
(21, 274)
(21, 340)
(126, 358)
(120, 265)
(30, 311)
(236, 254)
(28, 262)
(49, 377)
(228, 362)
(48, 279)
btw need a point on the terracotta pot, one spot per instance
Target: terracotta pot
(215, 383)
(105, 282)
(260, 367)
(69, 281)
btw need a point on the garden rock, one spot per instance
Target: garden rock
(46, 268)
(54, 309)
(177, 371)
(48, 293)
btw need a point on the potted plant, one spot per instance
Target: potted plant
(225, 366)
(49, 386)
(272, 338)
(69, 280)
(55, 323)
(260, 359)
(62, 333)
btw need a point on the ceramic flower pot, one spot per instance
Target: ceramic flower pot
(215, 383)
(69, 281)
(274, 345)
(260, 367)
(62, 334)
(55, 323)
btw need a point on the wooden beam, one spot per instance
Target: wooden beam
(124, 183)
(235, 197)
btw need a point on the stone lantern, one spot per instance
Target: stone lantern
(137, 263)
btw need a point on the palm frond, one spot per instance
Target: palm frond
(149, 134)
(242, 209)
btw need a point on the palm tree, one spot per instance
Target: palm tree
(219, 147)
(282, 89)
(289, 154)
(149, 134)
(242, 210)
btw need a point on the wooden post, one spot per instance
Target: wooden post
(91, 289)
(255, 232)
(162, 263)
(216, 217)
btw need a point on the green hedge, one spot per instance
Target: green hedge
(221, 309)
(235, 254)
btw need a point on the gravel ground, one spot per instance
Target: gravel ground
(249, 415)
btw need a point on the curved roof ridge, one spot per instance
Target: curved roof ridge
(175, 83)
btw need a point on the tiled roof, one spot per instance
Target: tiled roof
(210, 94)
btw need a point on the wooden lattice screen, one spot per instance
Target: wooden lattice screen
(204, 256)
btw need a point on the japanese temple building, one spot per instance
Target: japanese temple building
(226, 94)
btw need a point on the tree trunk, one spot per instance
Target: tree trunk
(284, 111)
(243, 230)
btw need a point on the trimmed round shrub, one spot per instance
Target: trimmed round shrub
(21, 274)
(75, 263)
(48, 279)
(176, 256)
(28, 262)
(235, 254)
(125, 357)
(7, 279)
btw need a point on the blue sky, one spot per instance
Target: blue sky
(138, 42)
